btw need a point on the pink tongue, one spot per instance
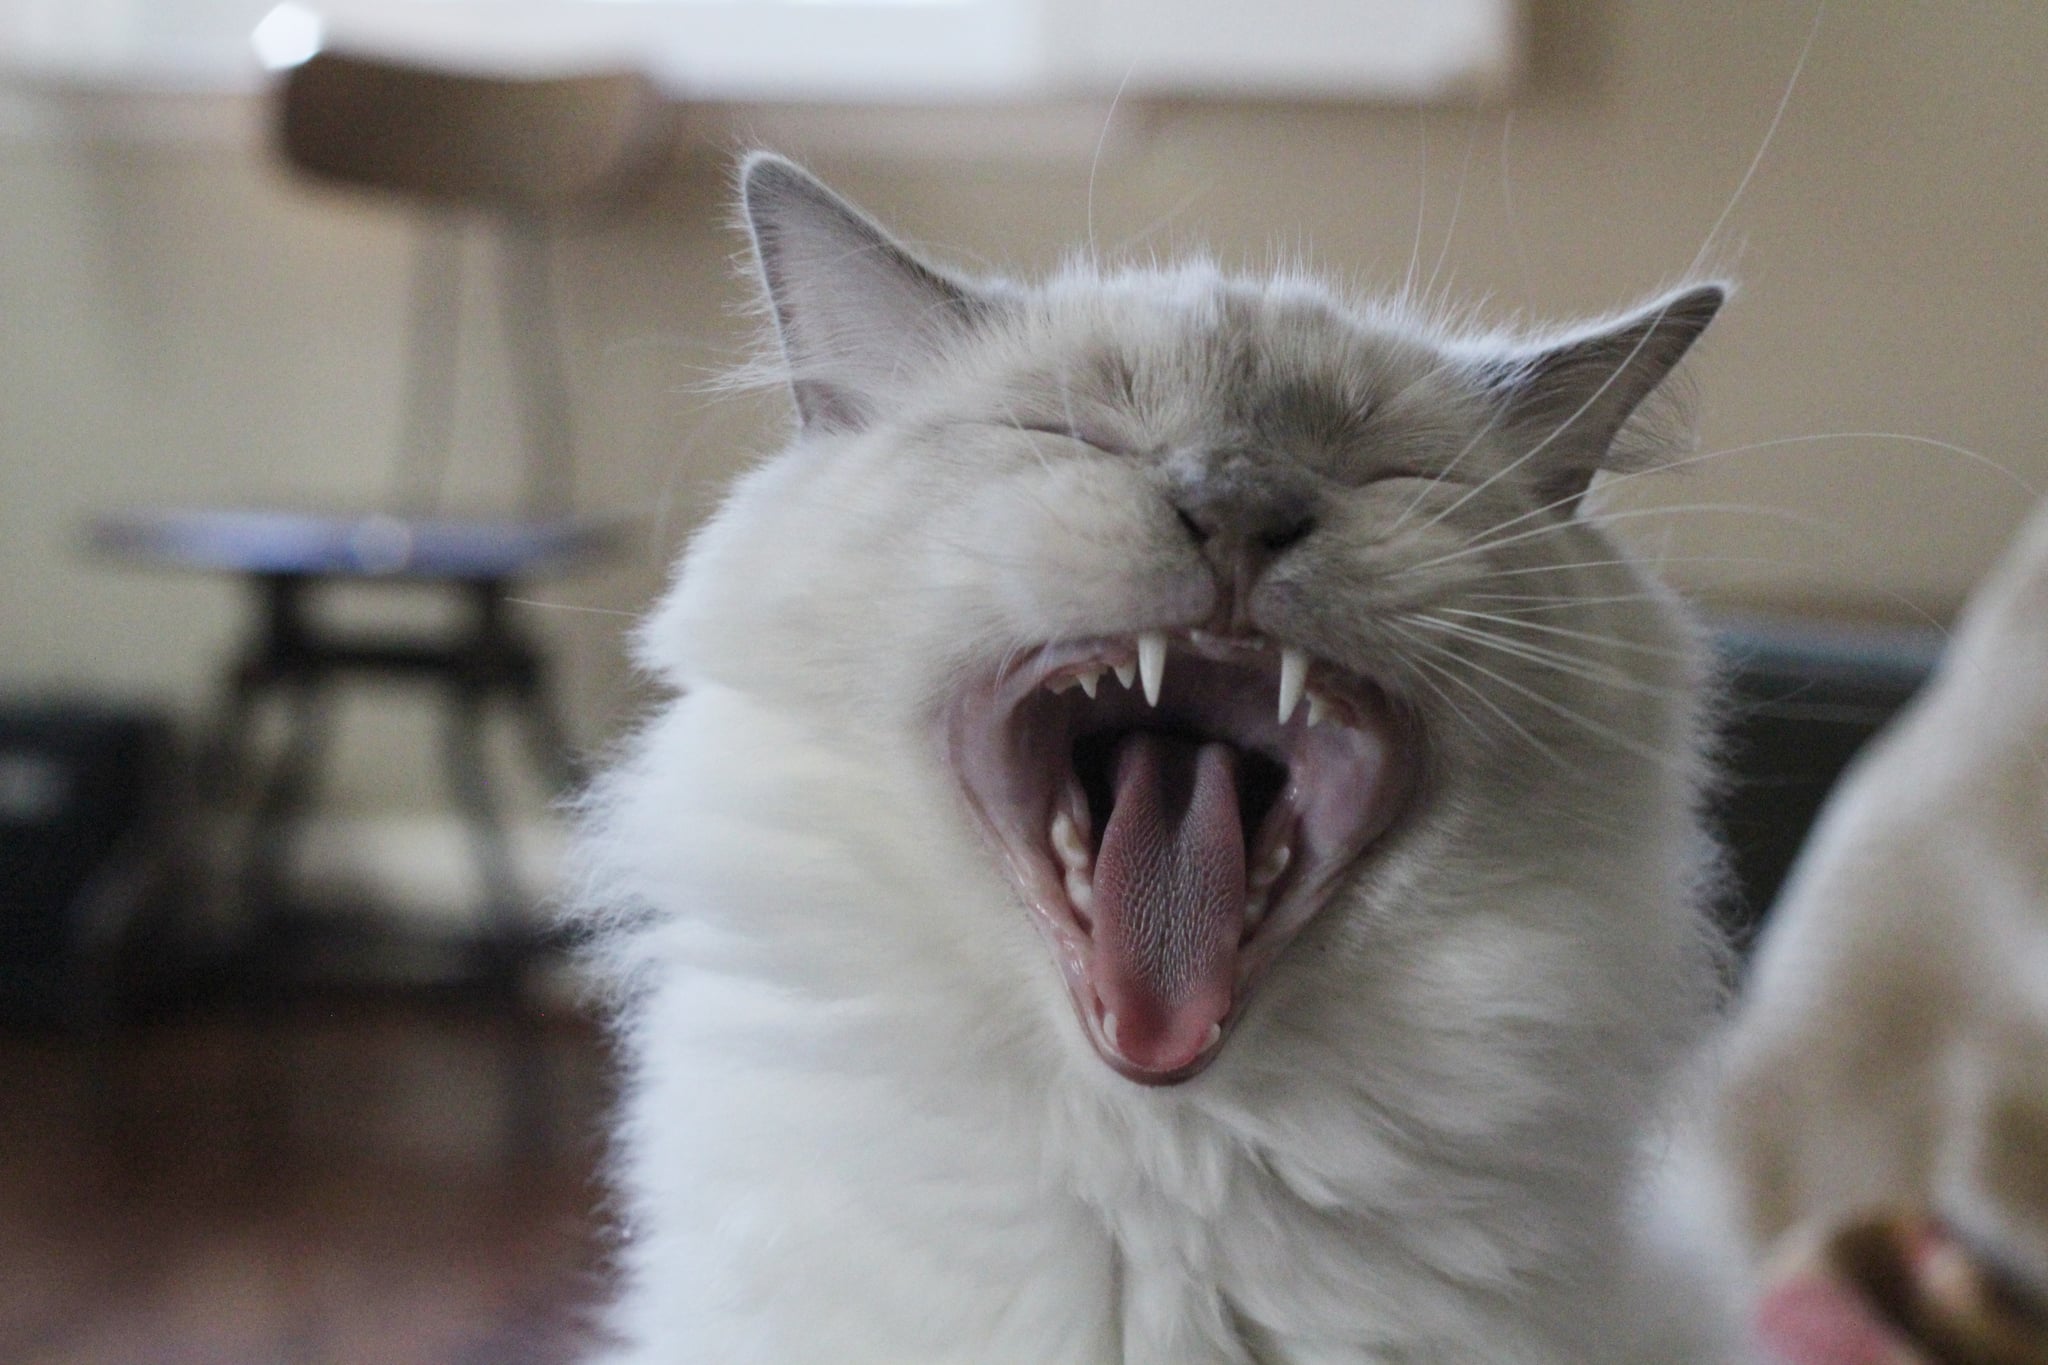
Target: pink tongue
(1169, 898)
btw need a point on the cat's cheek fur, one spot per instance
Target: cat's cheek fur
(1082, 550)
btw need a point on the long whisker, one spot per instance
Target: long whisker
(1457, 203)
(1422, 660)
(1536, 604)
(1479, 544)
(1570, 665)
(2011, 475)
(1770, 133)
(1095, 162)
(570, 606)
(1421, 207)
(1626, 743)
(1566, 633)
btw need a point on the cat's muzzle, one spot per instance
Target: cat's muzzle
(1174, 808)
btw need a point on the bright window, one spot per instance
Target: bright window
(901, 51)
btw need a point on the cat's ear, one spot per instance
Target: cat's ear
(1567, 400)
(856, 311)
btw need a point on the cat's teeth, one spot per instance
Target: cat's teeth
(1269, 867)
(1293, 681)
(1109, 1027)
(1068, 843)
(1152, 664)
(1215, 1035)
(1089, 681)
(1080, 891)
(1127, 674)
(1316, 710)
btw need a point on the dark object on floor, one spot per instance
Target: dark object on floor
(85, 841)
(1804, 699)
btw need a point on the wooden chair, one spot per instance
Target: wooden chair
(517, 153)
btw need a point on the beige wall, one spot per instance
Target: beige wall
(178, 326)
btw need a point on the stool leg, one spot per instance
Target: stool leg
(266, 957)
(507, 936)
(282, 801)
(547, 739)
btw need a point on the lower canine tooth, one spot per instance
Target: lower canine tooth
(1265, 874)
(1316, 710)
(1152, 664)
(1109, 1027)
(1068, 843)
(1215, 1033)
(1080, 891)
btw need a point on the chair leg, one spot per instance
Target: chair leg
(282, 801)
(547, 739)
(508, 938)
(266, 956)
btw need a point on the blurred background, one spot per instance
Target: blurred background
(369, 1167)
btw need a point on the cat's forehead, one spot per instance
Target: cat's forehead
(1281, 358)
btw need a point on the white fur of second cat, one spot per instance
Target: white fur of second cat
(873, 1114)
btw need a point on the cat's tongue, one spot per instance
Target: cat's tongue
(1169, 898)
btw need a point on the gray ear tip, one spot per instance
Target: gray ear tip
(767, 175)
(1700, 300)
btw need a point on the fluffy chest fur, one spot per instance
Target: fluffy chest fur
(1174, 842)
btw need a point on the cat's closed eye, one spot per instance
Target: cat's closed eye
(1096, 438)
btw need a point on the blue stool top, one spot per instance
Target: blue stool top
(354, 545)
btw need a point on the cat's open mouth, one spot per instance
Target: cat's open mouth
(1174, 808)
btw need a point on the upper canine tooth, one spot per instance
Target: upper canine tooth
(1152, 664)
(1293, 681)
(1127, 673)
(1089, 679)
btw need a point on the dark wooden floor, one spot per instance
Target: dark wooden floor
(355, 1183)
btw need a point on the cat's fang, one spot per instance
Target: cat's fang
(1152, 664)
(1316, 710)
(1293, 681)
(1109, 1027)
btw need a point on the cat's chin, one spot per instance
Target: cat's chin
(1174, 807)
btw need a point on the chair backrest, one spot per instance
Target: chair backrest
(508, 142)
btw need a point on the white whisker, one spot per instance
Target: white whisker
(570, 606)
(1626, 743)
(1564, 632)
(1480, 544)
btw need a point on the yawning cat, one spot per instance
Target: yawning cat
(1175, 841)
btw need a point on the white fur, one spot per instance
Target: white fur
(862, 1122)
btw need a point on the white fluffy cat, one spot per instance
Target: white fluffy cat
(1174, 843)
